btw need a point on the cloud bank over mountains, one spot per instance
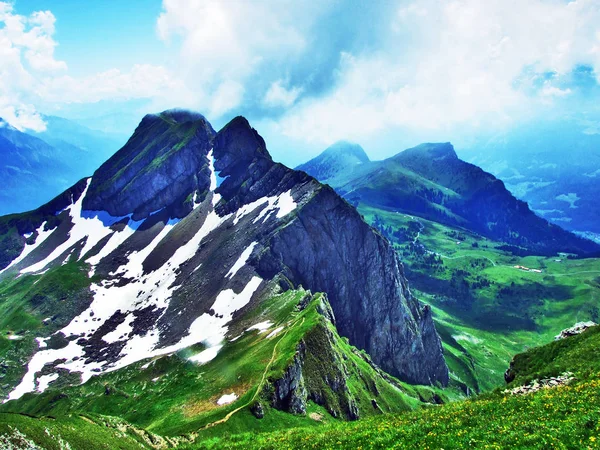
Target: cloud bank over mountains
(317, 72)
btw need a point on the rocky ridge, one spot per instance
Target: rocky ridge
(183, 230)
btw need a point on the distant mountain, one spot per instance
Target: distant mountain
(185, 246)
(554, 166)
(341, 158)
(98, 145)
(32, 171)
(431, 181)
(36, 167)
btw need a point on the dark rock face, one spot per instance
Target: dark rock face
(162, 164)
(317, 373)
(329, 248)
(289, 391)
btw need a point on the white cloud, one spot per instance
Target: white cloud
(279, 96)
(227, 96)
(30, 75)
(452, 64)
(223, 44)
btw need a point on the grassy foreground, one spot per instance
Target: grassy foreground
(565, 417)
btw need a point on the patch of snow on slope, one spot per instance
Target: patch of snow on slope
(284, 204)
(117, 238)
(45, 380)
(42, 236)
(207, 355)
(156, 288)
(145, 290)
(262, 326)
(86, 226)
(121, 331)
(275, 332)
(241, 262)
(227, 399)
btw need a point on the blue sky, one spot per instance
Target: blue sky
(387, 75)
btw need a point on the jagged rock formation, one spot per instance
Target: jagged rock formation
(318, 372)
(182, 231)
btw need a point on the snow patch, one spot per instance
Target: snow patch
(241, 262)
(284, 204)
(207, 355)
(275, 332)
(45, 380)
(41, 342)
(261, 326)
(226, 399)
(86, 226)
(121, 332)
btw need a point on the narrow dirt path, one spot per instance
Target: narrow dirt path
(259, 387)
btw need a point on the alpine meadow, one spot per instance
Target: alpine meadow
(294, 225)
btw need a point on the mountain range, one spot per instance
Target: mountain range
(188, 251)
(554, 166)
(37, 166)
(430, 181)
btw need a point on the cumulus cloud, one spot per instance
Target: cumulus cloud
(31, 77)
(449, 64)
(280, 96)
(229, 50)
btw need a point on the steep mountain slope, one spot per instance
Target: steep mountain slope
(432, 182)
(177, 238)
(37, 166)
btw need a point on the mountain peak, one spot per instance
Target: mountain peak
(179, 115)
(347, 148)
(440, 150)
(238, 144)
(334, 160)
(160, 165)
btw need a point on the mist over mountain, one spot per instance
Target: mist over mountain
(37, 166)
(553, 165)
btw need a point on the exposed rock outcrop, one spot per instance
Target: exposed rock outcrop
(161, 165)
(318, 373)
(544, 383)
(576, 329)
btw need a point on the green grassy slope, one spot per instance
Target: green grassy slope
(173, 397)
(565, 417)
(485, 309)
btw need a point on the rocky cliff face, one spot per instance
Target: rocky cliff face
(181, 232)
(329, 248)
(160, 165)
